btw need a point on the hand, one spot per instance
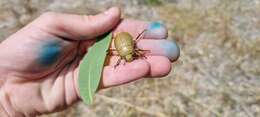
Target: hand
(39, 64)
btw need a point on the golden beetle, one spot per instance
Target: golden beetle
(126, 47)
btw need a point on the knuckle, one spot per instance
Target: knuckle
(90, 22)
(48, 16)
(87, 18)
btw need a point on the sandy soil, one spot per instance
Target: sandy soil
(217, 75)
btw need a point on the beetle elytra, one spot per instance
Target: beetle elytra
(126, 47)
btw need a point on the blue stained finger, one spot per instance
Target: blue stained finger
(171, 49)
(156, 30)
(166, 48)
(49, 53)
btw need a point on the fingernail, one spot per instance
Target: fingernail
(171, 49)
(156, 30)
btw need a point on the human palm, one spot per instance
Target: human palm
(39, 64)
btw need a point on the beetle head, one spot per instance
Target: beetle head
(129, 58)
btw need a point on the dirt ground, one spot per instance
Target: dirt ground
(217, 74)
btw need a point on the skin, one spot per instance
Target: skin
(39, 64)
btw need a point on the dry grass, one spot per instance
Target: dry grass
(217, 75)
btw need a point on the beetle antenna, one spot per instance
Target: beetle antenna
(139, 35)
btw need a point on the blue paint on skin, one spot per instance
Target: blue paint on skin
(156, 30)
(155, 26)
(50, 52)
(171, 49)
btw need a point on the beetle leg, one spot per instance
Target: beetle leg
(118, 62)
(124, 62)
(113, 54)
(111, 49)
(110, 52)
(142, 50)
(141, 53)
(139, 35)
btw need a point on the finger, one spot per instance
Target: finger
(124, 73)
(78, 27)
(120, 75)
(159, 66)
(159, 47)
(166, 48)
(154, 30)
(135, 70)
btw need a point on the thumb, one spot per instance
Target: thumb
(78, 27)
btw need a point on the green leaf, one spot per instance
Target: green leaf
(90, 71)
